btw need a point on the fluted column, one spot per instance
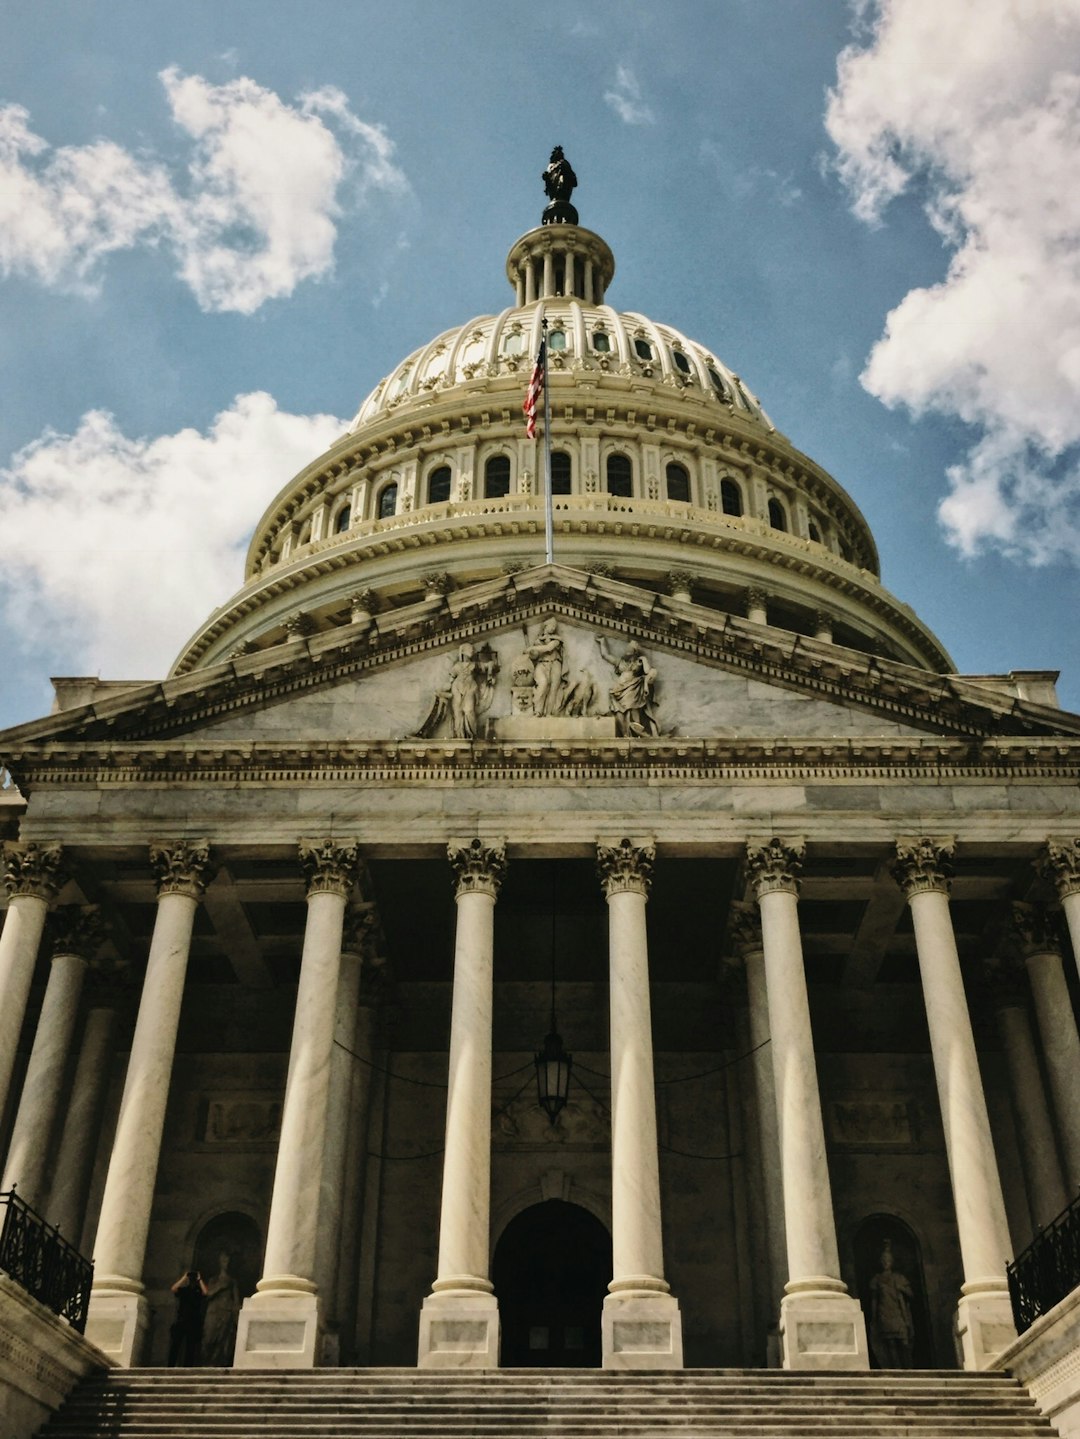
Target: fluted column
(459, 1322)
(77, 1148)
(821, 1326)
(549, 273)
(279, 1325)
(923, 869)
(1060, 864)
(78, 933)
(119, 1313)
(1034, 1132)
(34, 876)
(1036, 941)
(641, 1327)
(530, 281)
(745, 930)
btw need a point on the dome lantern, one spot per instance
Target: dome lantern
(559, 259)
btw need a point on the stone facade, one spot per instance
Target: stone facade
(700, 792)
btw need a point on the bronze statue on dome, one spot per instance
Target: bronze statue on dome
(559, 182)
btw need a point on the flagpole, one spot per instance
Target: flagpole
(548, 527)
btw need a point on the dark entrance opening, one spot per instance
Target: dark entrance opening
(551, 1272)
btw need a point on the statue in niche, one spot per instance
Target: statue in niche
(467, 697)
(892, 1329)
(222, 1313)
(632, 691)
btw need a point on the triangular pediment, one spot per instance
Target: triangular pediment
(709, 676)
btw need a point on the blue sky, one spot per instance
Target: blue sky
(220, 225)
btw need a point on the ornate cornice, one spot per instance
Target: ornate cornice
(774, 865)
(329, 866)
(924, 865)
(36, 870)
(478, 867)
(1060, 864)
(77, 929)
(625, 868)
(1031, 930)
(182, 867)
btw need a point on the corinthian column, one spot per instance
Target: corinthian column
(1034, 937)
(641, 1326)
(33, 875)
(119, 1314)
(459, 1322)
(77, 937)
(923, 870)
(821, 1326)
(279, 1324)
(1060, 864)
(745, 930)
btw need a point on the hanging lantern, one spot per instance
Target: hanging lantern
(553, 1075)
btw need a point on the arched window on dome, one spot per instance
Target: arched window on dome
(777, 518)
(438, 485)
(682, 362)
(718, 385)
(387, 502)
(620, 476)
(678, 483)
(730, 496)
(813, 533)
(561, 473)
(601, 342)
(343, 520)
(514, 343)
(497, 477)
(556, 339)
(642, 349)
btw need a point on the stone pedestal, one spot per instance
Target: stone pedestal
(984, 1325)
(459, 1321)
(279, 1324)
(641, 1326)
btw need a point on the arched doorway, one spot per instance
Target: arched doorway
(551, 1272)
(228, 1254)
(887, 1251)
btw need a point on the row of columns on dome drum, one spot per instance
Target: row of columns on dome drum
(819, 1322)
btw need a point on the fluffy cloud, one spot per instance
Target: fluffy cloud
(975, 106)
(625, 98)
(116, 549)
(251, 217)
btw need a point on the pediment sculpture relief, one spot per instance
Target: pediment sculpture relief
(549, 695)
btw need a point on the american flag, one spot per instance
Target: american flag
(535, 390)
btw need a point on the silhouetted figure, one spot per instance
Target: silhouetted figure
(185, 1336)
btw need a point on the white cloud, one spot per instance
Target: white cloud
(625, 98)
(253, 215)
(975, 106)
(116, 549)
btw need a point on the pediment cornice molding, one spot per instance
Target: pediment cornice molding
(946, 707)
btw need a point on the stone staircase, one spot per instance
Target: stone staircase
(557, 1403)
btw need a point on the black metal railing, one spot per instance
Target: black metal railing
(49, 1268)
(1047, 1270)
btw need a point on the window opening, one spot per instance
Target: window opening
(438, 485)
(497, 477)
(620, 476)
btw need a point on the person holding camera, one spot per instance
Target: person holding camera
(185, 1336)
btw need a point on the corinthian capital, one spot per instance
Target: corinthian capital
(774, 865)
(1031, 930)
(1060, 864)
(924, 866)
(77, 929)
(625, 867)
(744, 928)
(329, 866)
(182, 867)
(34, 869)
(478, 867)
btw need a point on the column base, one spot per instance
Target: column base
(641, 1329)
(984, 1324)
(118, 1322)
(822, 1327)
(459, 1329)
(278, 1328)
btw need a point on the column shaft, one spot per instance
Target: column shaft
(1061, 1050)
(19, 943)
(549, 275)
(1042, 1171)
(82, 1122)
(28, 1152)
(765, 1096)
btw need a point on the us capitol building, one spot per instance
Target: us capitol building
(655, 957)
